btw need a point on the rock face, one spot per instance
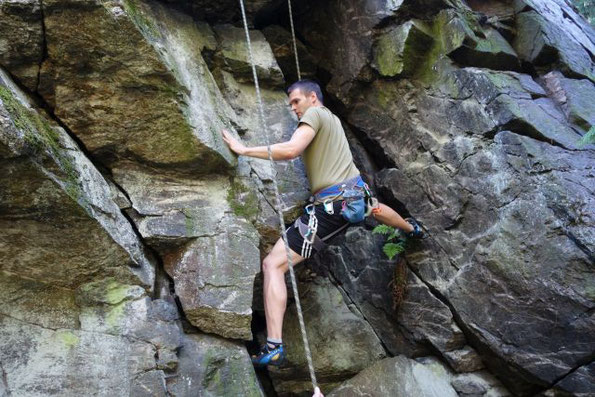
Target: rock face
(131, 236)
(342, 342)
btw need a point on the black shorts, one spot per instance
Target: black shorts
(328, 226)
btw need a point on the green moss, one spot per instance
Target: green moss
(189, 221)
(67, 338)
(115, 315)
(146, 25)
(243, 200)
(40, 138)
(116, 292)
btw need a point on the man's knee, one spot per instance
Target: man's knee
(271, 264)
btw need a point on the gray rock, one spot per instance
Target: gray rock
(478, 384)
(282, 45)
(400, 50)
(575, 98)
(149, 383)
(358, 264)
(490, 51)
(234, 55)
(340, 33)
(212, 366)
(399, 376)
(39, 361)
(176, 101)
(173, 208)
(546, 36)
(464, 360)
(59, 189)
(21, 43)
(580, 383)
(214, 277)
(341, 341)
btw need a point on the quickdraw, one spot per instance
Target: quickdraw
(310, 234)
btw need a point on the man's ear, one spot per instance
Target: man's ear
(313, 97)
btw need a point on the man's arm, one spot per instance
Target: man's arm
(291, 149)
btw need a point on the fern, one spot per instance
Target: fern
(392, 249)
(394, 244)
(383, 229)
(588, 138)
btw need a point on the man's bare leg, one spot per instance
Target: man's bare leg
(390, 217)
(274, 267)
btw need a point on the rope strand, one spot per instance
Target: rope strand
(278, 202)
(295, 51)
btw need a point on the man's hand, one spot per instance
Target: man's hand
(235, 145)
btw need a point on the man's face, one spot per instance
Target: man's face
(300, 102)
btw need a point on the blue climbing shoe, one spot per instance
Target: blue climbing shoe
(269, 356)
(417, 232)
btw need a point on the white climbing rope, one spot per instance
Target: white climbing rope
(295, 51)
(278, 200)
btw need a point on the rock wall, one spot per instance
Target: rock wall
(131, 237)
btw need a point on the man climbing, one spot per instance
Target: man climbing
(338, 194)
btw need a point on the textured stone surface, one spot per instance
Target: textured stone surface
(214, 277)
(234, 55)
(214, 367)
(358, 264)
(399, 376)
(160, 104)
(575, 98)
(341, 341)
(400, 50)
(555, 33)
(21, 39)
(40, 361)
(58, 189)
(282, 45)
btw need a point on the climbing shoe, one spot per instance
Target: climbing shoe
(417, 232)
(269, 356)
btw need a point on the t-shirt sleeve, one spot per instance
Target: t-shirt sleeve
(312, 118)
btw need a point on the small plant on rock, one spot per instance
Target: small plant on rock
(394, 245)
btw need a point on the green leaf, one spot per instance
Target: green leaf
(392, 249)
(588, 138)
(383, 229)
(395, 234)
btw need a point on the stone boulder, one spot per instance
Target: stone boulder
(281, 43)
(214, 278)
(574, 97)
(400, 50)
(129, 82)
(420, 325)
(555, 33)
(22, 43)
(104, 336)
(233, 56)
(48, 187)
(341, 341)
(399, 376)
(214, 367)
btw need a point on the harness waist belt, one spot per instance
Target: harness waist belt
(337, 189)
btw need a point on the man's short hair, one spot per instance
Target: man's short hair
(306, 87)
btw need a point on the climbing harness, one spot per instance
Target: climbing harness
(276, 190)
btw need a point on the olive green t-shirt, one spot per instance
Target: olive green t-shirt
(327, 158)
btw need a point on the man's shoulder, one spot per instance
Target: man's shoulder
(319, 111)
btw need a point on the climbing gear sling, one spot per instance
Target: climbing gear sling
(276, 190)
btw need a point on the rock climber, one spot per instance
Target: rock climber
(339, 193)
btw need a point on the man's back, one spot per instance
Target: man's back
(327, 158)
